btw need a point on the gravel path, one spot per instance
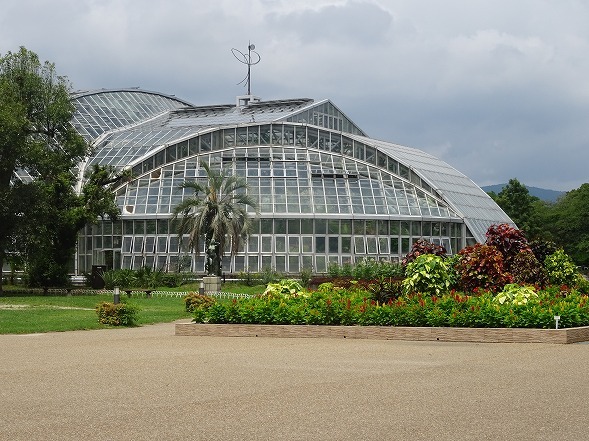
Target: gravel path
(148, 384)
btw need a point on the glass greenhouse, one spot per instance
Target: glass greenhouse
(326, 192)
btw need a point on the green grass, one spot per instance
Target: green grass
(60, 313)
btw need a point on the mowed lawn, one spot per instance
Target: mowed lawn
(24, 315)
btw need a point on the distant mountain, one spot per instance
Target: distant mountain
(540, 193)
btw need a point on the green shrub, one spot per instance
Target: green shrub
(561, 269)
(146, 277)
(306, 274)
(173, 280)
(285, 287)
(366, 269)
(385, 289)
(119, 314)
(542, 249)
(250, 279)
(269, 275)
(516, 294)
(582, 285)
(193, 301)
(123, 278)
(334, 270)
(427, 274)
(526, 269)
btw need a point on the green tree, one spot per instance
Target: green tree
(524, 209)
(40, 212)
(61, 214)
(217, 211)
(569, 223)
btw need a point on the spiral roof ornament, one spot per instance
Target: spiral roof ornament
(250, 59)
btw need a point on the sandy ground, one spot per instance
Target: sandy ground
(148, 384)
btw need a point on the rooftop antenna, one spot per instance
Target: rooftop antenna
(249, 60)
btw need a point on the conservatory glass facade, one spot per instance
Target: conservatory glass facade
(326, 192)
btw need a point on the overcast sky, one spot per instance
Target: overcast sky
(497, 88)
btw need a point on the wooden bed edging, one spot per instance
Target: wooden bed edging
(477, 335)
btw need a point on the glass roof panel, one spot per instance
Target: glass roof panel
(100, 111)
(464, 196)
(316, 186)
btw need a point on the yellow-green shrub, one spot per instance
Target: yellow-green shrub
(119, 314)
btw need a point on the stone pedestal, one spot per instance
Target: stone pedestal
(212, 283)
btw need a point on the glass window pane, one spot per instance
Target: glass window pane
(320, 226)
(334, 245)
(266, 244)
(266, 226)
(320, 264)
(149, 244)
(307, 244)
(128, 227)
(307, 226)
(346, 226)
(162, 262)
(320, 244)
(252, 264)
(281, 264)
(266, 262)
(280, 244)
(137, 262)
(371, 245)
(293, 244)
(346, 244)
(383, 245)
(162, 226)
(359, 245)
(138, 244)
(294, 226)
(174, 244)
(127, 241)
(394, 245)
(162, 242)
(127, 262)
(333, 227)
(252, 244)
(293, 264)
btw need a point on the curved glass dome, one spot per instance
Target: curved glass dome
(103, 110)
(326, 192)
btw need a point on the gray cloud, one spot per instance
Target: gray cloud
(497, 89)
(352, 23)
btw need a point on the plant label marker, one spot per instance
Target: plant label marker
(556, 319)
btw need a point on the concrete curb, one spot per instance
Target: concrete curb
(475, 335)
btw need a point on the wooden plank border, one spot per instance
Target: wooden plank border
(478, 335)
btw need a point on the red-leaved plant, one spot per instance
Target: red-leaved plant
(422, 246)
(481, 266)
(507, 239)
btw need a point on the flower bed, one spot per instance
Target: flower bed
(514, 307)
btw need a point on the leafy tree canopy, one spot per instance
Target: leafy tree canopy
(41, 214)
(569, 223)
(524, 209)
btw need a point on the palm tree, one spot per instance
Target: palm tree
(218, 215)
